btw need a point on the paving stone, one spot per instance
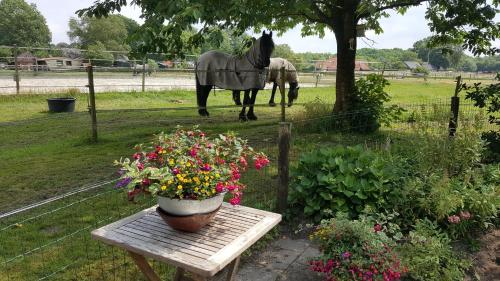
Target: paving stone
(277, 258)
(299, 272)
(252, 273)
(308, 254)
(292, 244)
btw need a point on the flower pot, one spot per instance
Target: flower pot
(61, 104)
(187, 207)
(188, 215)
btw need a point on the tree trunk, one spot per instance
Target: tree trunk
(345, 33)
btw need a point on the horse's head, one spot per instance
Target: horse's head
(293, 93)
(266, 48)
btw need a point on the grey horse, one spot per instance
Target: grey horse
(274, 77)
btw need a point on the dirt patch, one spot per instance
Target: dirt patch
(487, 260)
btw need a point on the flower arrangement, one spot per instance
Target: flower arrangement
(188, 165)
(354, 250)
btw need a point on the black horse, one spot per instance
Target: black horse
(274, 77)
(246, 72)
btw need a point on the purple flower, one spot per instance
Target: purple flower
(123, 182)
(346, 255)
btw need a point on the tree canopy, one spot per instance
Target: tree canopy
(22, 24)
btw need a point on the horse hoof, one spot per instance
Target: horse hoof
(203, 112)
(237, 103)
(251, 117)
(243, 118)
(272, 104)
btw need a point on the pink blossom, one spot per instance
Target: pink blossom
(219, 187)
(152, 156)
(454, 219)
(140, 166)
(465, 215)
(346, 255)
(243, 161)
(137, 156)
(175, 171)
(377, 227)
(232, 187)
(193, 152)
(235, 200)
(146, 182)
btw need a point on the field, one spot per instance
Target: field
(47, 154)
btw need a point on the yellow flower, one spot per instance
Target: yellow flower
(196, 189)
(217, 175)
(163, 187)
(188, 164)
(213, 190)
(170, 182)
(171, 162)
(182, 162)
(206, 178)
(179, 187)
(206, 184)
(196, 179)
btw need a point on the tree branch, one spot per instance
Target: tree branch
(392, 6)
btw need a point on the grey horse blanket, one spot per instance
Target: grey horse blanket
(274, 71)
(232, 72)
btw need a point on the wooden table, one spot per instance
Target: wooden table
(203, 254)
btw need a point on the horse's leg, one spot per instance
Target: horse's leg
(271, 100)
(246, 101)
(201, 98)
(251, 115)
(236, 97)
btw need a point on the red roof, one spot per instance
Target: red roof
(331, 65)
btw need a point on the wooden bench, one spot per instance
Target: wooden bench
(203, 254)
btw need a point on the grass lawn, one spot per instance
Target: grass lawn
(46, 154)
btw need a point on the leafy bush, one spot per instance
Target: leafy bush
(488, 97)
(367, 111)
(347, 179)
(460, 204)
(429, 256)
(355, 250)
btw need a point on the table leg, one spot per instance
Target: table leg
(144, 266)
(179, 273)
(233, 268)
(196, 277)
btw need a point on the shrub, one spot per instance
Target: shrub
(459, 204)
(367, 111)
(347, 179)
(355, 250)
(429, 257)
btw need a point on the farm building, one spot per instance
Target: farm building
(331, 65)
(26, 61)
(52, 63)
(412, 64)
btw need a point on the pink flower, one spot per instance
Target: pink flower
(232, 187)
(175, 171)
(137, 156)
(346, 255)
(146, 182)
(243, 161)
(152, 156)
(219, 187)
(193, 152)
(465, 215)
(261, 162)
(377, 227)
(235, 200)
(140, 166)
(206, 167)
(454, 219)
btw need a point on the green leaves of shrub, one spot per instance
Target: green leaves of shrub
(347, 179)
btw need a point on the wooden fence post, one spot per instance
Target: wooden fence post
(92, 109)
(282, 91)
(16, 65)
(317, 81)
(143, 74)
(283, 163)
(455, 103)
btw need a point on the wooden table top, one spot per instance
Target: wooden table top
(233, 230)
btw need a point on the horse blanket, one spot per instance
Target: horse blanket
(274, 71)
(232, 72)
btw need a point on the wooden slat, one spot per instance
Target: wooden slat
(207, 232)
(172, 244)
(204, 244)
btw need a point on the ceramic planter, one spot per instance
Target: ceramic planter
(188, 215)
(179, 207)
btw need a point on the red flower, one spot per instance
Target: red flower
(235, 200)
(219, 187)
(140, 166)
(377, 227)
(193, 152)
(137, 156)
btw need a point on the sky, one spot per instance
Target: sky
(399, 31)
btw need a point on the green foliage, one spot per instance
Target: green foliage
(22, 24)
(392, 58)
(352, 249)
(420, 69)
(98, 55)
(348, 179)
(488, 97)
(429, 257)
(111, 32)
(367, 111)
